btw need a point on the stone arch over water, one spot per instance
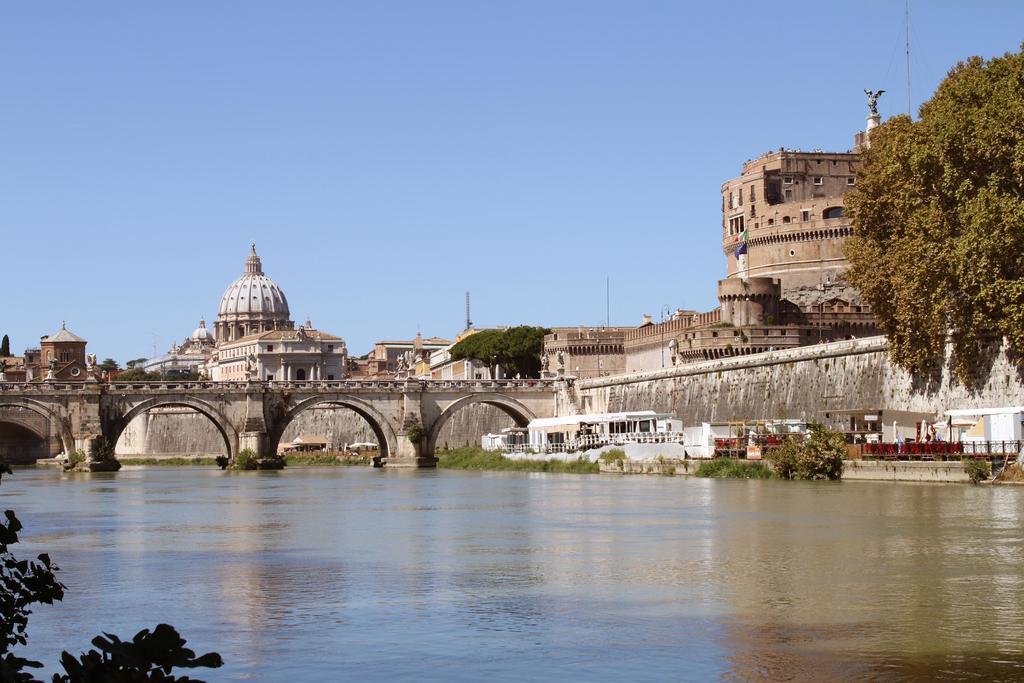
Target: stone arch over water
(519, 413)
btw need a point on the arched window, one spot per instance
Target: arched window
(300, 374)
(833, 212)
(785, 219)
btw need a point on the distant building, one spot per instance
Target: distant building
(280, 355)
(441, 365)
(585, 352)
(187, 359)
(62, 357)
(384, 360)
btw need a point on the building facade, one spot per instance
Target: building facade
(585, 352)
(62, 357)
(187, 359)
(281, 355)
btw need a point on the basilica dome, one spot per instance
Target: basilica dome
(201, 335)
(251, 304)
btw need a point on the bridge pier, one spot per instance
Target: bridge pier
(99, 456)
(259, 443)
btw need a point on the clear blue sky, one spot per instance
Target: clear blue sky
(388, 156)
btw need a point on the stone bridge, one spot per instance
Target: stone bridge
(406, 415)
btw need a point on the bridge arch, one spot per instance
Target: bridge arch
(58, 425)
(223, 425)
(381, 426)
(519, 413)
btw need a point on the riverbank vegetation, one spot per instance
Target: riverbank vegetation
(977, 470)
(937, 215)
(184, 461)
(476, 458)
(322, 459)
(149, 656)
(818, 456)
(722, 468)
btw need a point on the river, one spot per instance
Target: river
(351, 573)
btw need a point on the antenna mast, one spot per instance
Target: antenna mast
(469, 321)
(909, 106)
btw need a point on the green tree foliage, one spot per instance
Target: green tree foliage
(109, 365)
(135, 362)
(147, 657)
(517, 350)
(819, 456)
(938, 214)
(5, 347)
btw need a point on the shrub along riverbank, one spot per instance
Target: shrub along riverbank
(476, 458)
(734, 469)
(818, 456)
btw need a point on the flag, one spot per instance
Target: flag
(740, 250)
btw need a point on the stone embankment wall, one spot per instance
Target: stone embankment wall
(808, 382)
(875, 470)
(181, 431)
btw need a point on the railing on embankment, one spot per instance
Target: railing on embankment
(936, 450)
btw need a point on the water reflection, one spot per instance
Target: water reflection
(463, 576)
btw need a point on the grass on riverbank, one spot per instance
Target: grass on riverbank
(291, 460)
(721, 468)
(196, 461)
(475, 458)
(325, 460)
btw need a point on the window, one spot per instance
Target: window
(270, 378)
(787, 180)
(771, 221)
(818, 180)
(789, 194)
(270, 347)
(785, 219)
(792, 252)
(753, 194)
(805, 215)
(330, 348)
(330, 378)
(300, 374)
(832, 212)
(851, 181)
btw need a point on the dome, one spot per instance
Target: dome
(254, 295)
(201, 334)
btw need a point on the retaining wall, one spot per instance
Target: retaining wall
(810, 382)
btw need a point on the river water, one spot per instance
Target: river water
(355, 574)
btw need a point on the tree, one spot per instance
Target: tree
(517, 349)
(5, 347)
(109, 365)
(135, 362)
(938, 216)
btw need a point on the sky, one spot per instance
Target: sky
(387, 157)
